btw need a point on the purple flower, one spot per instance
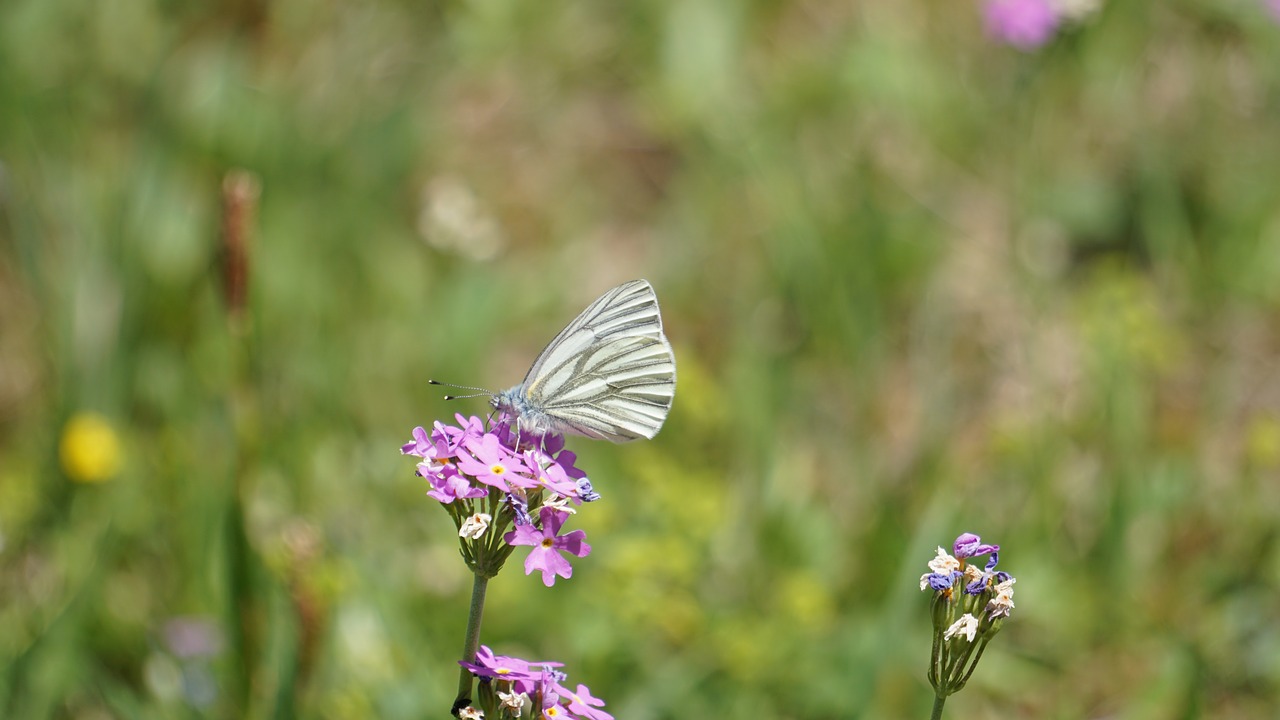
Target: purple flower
(554, 478)
(451, 439)
(439, 450)
(1274, 7)
(444, 440)
(968, 545)
(936, 581)
(567, 459)
(977, 586)
(193, 637)
(501, 667)
(447, 485)
(582, 704)
(552, 710)
(419, 445)
(548, 544)
(1024, 24)
(541, 680)
(585, 492)
(524, 676)
(519, 509)
(493, 464)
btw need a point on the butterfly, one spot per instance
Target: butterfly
(609, 375)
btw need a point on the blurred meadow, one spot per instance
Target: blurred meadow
(918, 282)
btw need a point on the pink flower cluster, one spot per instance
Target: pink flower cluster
(540, 684)
(460, 460)
(468, 465)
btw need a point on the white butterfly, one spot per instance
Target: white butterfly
(610, 374)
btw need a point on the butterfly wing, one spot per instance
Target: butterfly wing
(611, 373)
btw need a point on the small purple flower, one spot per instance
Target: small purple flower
(977, 586)
(553, 478)
(444, 440)
(568, 458)
(501, 667)
(493, 464)
(937, 581)
(1024, 24)
(448, 485)
(582, 704)
(543, 681)
(551, 677)
(193, 637)
(585, 492)
(419, 445)
(552, 710)
(968, 545)
(548, 544)
(524, 676)
(519, 509)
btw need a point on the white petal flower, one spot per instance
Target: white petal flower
(1002, 603)
(474, 526)
(470, 713)
(561, 504)
(967, 626)
(972, 574)
(514, 701)
(944, 564)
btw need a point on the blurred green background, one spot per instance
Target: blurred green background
(918, 283)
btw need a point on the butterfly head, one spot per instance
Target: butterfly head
(515, 403)
(505, 401)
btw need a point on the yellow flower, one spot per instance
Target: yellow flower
(1262, 442)
(90, 448)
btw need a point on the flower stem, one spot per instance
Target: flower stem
(938, 702)
(472, 641)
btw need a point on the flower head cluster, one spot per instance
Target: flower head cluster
(965, 621)
(509, 686)
(490, 478)
(1029, 24)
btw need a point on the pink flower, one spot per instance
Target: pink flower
(583, 705)
(1024, 24)
(524, 675)
(491, 463)
(447, 485)
(548, 544)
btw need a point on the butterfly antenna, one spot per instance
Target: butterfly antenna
(481, 392)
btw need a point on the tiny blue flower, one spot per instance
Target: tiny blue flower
(520, 509)
(585, 492)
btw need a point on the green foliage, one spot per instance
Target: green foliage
(917, 284)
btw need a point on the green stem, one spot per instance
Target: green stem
(472, 642)
(938, 702)
(967, 673)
